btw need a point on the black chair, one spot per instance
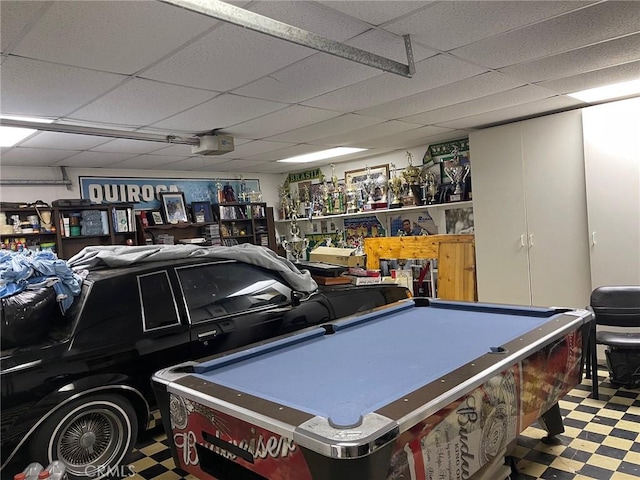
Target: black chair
(614, 306)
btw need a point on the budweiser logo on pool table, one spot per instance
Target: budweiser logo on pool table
(274, 456)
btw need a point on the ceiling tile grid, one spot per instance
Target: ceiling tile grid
(155, 67)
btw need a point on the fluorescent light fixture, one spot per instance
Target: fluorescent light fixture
(607, 92)
(9, 136)
(322, 155)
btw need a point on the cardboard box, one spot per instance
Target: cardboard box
(337, 256)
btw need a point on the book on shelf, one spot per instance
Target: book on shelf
(123, 220)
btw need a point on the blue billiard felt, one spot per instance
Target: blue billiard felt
(371, 361)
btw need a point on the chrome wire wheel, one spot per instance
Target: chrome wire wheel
(91, 435)
(91, 438)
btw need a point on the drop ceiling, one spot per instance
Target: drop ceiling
(152, 67)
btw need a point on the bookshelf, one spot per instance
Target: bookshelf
(79, 227)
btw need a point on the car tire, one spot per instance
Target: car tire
(91, 435)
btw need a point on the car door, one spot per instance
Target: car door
(231, 304)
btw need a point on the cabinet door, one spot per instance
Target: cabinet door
(612, 160)
(555, 198)
(499, 215)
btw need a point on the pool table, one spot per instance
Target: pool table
(420, 389)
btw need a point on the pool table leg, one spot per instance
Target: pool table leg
(551, 420)
(372, 467)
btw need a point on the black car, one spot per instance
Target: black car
(82, 394)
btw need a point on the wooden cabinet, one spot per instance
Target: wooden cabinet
(529, 209)
(612, 162)
(23, 228)
(79, 227)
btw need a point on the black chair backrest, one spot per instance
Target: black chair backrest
(617, 306)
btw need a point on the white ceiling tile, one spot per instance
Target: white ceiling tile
(281, 121)
(147, 162)
(513, 113)
(31, 87)
(94, 159)
(14, 18)
(192, 164)
(125, 145)
(375, 12)
(258, 146)
(416, 136)
(593, 57)
(38, 157)
(230, 166)
(430, 73)
(590, 25)
(516, 96)
(356, 138)
(457, 92)
(597, 78)
(327, 128)
(141, 102)
(177, 150)
(227, 58)
(221, 112)
(322, 73)
(447, 25)
(113, 36)
(63, 141)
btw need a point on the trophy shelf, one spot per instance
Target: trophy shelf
(387, 211)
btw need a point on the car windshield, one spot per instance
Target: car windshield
(227, 288)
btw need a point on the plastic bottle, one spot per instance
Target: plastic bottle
(58, 470)
(32, 471)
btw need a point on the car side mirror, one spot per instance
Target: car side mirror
(296, 297)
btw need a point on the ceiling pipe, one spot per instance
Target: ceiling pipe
(21, 182)
(99, 132)
(259, 23)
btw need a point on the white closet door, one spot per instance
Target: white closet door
(499, 217)
(555, 201)
(612, 161)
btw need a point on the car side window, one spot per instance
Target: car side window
(226, 288)
(159, 308)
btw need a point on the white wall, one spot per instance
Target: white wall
(47, 193)
(269, 183)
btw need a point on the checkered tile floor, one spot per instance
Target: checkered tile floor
(601, 442)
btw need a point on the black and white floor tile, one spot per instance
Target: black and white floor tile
(601, 442)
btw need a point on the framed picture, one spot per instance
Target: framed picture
(155, 217)
(355, 176)
(174, 207)
(202, 212)
(379, 173)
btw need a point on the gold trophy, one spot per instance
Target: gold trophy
(395, 185)
(414, 177)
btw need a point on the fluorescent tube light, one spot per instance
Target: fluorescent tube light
(607, 92)
(9, 136)
(322, 155)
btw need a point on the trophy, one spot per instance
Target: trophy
(413, 176)
(297, 245)
(395, 185)
(431, 188)
(457, 173)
